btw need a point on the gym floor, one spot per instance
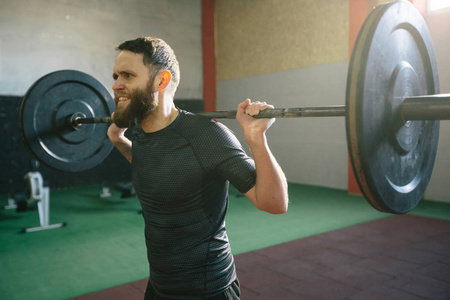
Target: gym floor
(329, 245)
(400, 257)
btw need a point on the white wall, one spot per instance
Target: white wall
(310, 150)
(41, 36)
(439, 26)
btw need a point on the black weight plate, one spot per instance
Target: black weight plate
(42, 120)
(393, 58)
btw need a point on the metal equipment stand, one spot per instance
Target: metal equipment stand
(41, 194)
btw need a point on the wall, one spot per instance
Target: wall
(270, 37)
(439, 25)
(296, 55)
(290, 55)
(40, 36)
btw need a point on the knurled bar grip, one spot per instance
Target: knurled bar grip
(327, 111)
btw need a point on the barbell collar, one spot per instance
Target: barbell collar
(428, 107)
(80, 121)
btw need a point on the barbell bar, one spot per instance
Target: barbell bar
(325, 111)
(428, 107)
(392, 110)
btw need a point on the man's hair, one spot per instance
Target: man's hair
(158, 56)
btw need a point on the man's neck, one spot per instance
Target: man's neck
(163, 115)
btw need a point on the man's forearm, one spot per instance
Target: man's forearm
(120, 141)
(271, 191)
(125, 149)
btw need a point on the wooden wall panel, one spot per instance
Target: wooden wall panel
(264, 36)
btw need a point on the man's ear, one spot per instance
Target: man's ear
(166, 77)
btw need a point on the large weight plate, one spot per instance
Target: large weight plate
(42, 120)
(393, 58)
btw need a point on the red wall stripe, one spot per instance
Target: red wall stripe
(358, 11)
(209, 57)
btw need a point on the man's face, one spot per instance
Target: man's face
(133, 91)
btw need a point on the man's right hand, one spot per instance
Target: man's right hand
(118, 138)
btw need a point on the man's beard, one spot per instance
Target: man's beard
(142, 102)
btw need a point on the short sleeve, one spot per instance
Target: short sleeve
(223, 153)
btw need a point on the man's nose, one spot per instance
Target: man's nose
(118, 85)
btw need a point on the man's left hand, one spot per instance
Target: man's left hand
(253, 126)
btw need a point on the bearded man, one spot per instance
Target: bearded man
(181, 167)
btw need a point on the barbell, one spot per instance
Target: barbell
(392, 110)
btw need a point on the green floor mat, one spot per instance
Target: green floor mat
(103, 244)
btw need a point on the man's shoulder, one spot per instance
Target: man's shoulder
(197, 124)
(199, 130)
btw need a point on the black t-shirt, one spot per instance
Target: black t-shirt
(181, 176)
